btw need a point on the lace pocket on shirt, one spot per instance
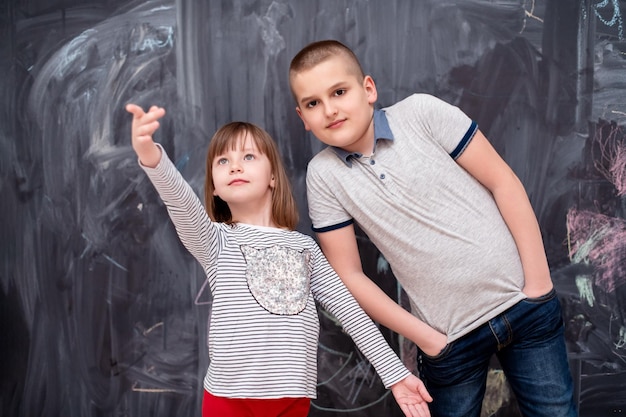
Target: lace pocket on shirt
(278, 278)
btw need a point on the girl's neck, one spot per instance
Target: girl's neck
(253, 217)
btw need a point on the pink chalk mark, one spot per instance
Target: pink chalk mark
(599, 240)
(611, 162)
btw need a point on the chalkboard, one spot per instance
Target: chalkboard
(103, 313)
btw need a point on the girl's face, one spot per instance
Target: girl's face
(243, 175)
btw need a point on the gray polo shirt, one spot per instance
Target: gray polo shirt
(437, 226)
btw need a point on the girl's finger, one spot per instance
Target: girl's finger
(135, 110)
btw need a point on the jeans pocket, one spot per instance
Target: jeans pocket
(538, 317)
(542, 298)
(439, 356)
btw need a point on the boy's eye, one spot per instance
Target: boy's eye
(311, 104)
(340, 92)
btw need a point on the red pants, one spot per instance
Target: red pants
(213, 406)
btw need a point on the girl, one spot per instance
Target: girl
(264, 278)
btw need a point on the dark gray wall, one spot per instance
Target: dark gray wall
(102, 310)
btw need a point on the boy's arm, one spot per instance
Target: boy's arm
(482, 161)
(341, 250)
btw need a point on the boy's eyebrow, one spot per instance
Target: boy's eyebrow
(331, 88)
(304, 100)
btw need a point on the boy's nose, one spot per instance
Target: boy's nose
(331, 110)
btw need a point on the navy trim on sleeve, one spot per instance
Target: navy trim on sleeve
(333, 227)
(465, 141)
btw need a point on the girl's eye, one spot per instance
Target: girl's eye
(248, 157)
(222, 161)
(311, 104)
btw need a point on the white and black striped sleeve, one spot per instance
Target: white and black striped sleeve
(194, 228)
(334, 296)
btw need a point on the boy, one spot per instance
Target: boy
(453, 221)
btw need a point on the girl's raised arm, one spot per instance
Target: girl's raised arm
(143, 127)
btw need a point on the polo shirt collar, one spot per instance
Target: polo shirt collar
(381, 131)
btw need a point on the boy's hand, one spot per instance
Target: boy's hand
(143, 127)
(412, 396)
(434, 344)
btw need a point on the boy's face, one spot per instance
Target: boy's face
(336, 106)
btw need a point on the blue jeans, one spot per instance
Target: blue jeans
(529, 343)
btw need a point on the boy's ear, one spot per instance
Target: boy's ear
(306, 126)
(370, 89)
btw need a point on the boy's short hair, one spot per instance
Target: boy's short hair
(317, 52)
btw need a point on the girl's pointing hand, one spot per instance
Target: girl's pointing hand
(143, 127)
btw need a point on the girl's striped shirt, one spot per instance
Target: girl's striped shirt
(264, 282)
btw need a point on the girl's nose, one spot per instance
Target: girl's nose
(235, 168)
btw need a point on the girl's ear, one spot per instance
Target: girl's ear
(272, 182)
(370, 89)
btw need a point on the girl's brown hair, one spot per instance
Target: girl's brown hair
(284, 208)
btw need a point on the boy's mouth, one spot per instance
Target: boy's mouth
(335, 124)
